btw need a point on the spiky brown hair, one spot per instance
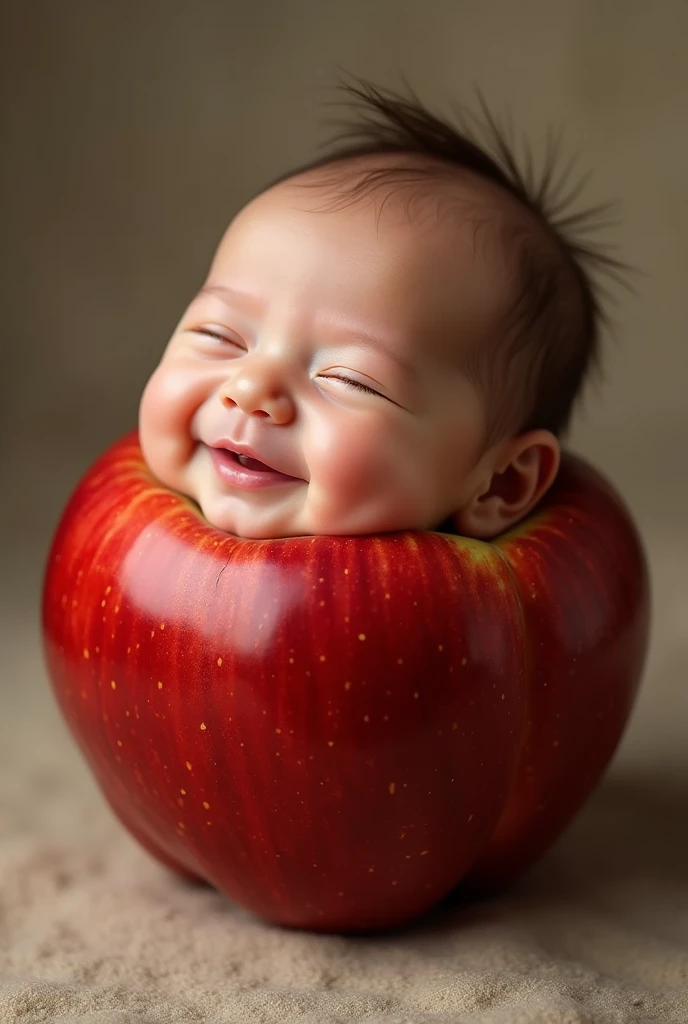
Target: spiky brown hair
(551, 337)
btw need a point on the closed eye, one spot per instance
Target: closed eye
(354, 384)
(218, 334)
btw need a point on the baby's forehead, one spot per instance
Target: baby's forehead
(451, 238)
(419, 201)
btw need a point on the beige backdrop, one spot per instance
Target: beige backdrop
(132, 132)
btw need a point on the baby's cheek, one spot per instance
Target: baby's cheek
(342, 458)
(167, 406)
(355, 466)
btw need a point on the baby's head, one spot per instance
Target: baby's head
(389, 337)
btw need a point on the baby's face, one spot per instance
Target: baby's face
(324, 346)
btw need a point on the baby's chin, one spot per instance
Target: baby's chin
(255, 517)
(251, 523)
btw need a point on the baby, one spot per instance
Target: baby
(391, 336)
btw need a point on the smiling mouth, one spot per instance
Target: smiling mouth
(250, 463)
(244, 471)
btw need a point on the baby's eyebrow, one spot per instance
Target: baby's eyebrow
(359, 334)
(252, 304)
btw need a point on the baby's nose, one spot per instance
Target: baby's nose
(257, 396)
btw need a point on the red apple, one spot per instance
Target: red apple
(336, 731)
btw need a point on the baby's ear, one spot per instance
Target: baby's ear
(523, 471)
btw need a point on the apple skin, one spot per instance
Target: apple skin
(337, 731)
